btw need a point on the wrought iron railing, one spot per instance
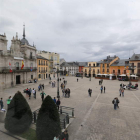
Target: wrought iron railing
(64, 120)
(16, 69)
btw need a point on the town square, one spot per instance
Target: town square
(69, 70)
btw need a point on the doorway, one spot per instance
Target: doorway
(17, 79)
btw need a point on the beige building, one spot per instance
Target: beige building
(42, 68)
(53, 58)
(17, 65)
(92, 69)
(135, 61)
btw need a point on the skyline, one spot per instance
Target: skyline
(78, 30)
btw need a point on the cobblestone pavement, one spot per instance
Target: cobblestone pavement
(95, 118)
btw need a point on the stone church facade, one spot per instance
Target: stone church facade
(17, 65)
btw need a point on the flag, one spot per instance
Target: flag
(10, 67)
(31, 68)
(22, 65)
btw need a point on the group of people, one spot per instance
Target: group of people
(63, 136)
(8, 102)
(53, 83)
(40, 87)
(116, 103)
(29, 92)
(58, 102)
(100, 82)
(121, 90)
(102, 88)
(62, 86)
(66, 92)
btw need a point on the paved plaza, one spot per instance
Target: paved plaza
(95, 118)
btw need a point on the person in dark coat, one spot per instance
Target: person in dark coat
(1, 103)
(68, 92)
(77, 79)
(65, 135)
(58, 103)
(89, 92)
(104, 89)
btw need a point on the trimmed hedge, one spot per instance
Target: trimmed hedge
(19, 115)
(48, 121)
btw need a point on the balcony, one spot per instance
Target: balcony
(32, 58)
(41, 64)
(43, 71)
(17, 69)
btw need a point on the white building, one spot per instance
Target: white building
(70, 68)
(12, 71)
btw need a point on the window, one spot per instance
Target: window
(107, 65)
(39, 69)
(138, 65)
(113, 71)
(17, 65)
(103, 65)
(46, 69)
(124, 71)
(31, 76)
(93, 70)
(30, 55)
(39, 62)
(118, 71)
(138, 71)
(107, 70)
(89, 65)
(93, 65)
(46, 63)
(98, 71)
(103, 70)
(39, 76)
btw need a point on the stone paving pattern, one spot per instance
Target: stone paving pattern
(96, 114)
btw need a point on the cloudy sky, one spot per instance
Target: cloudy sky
(80, 30)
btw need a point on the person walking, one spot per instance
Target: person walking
(58, 103)
(42, 95)
(65, 135)
(60, 79)
(1, 103)
(35, 94)
(89, 91)
(68, 92)
(120, 90)
(101, 89)
(104, 89)
(77, 79)
(54, 100)
(63, 91)
(117, 102)
(39, 88)
(8, 102)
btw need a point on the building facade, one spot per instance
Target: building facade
(17, 65)
(105, 64)
(54, 62)
(69, 68)
(42, 68)
(92, 69)
(120, 67)
(135, 61)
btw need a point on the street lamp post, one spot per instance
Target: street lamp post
(90, 73)
(58, 96)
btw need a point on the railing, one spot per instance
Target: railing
(64, 118)
(43, 71)
(32, 57)
(17, 69)
(68, 110)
